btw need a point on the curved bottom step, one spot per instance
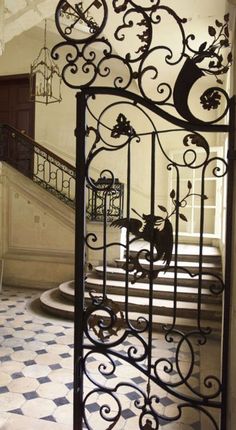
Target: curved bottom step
(53, 302)
(67, 290)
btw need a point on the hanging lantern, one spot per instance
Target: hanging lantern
(45, 77)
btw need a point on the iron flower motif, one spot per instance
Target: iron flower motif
(210, 99)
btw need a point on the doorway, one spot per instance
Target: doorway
(19, 113)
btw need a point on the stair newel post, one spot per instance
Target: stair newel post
(80, 214)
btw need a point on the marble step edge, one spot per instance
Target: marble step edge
(191, 266)
(164, 277)
(141, 290)
(185, 251)
(51, 300)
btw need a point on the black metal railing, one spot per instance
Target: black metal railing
(105, 194)
(56, 175)
(37, 163)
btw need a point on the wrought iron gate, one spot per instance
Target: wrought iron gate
(128, 129)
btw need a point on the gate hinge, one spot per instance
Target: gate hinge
(231, 155)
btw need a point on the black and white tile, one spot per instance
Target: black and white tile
(36, 371)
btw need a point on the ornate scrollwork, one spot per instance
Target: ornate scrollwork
(70, 14)
(98, 56)
(108, 325)
(153, 103)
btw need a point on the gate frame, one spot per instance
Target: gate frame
(187, 77)
(80, 262)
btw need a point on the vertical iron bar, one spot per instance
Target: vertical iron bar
(228, 266)
(104, 246)
(79, 261)
(152, 208)
(202, 219)
(176, 248)
(127, 234)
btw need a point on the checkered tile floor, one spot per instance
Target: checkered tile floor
(36, 380)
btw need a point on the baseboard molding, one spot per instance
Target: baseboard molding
(31, 284)
(48, 256)
(36, 274)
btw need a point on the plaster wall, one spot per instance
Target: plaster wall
(37, 233)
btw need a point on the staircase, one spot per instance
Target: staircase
(58, 177)
(39, 164)
(59, 301)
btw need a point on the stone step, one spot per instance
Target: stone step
(142, 290)
(55, 303)
(163, 294)
(184, 279)
(67, 290)
(165, 307)
(60, 301)
(186, 252)
(163, 298)
(192, 266)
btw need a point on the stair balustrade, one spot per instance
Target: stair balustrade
(38, 163)
(56, 175)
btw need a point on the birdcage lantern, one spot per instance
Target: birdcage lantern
(45, 77)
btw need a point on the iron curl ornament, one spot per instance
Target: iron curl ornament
(96, 53)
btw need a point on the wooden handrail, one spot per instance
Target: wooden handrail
(35, 144)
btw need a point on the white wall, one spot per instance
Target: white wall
(37, 233)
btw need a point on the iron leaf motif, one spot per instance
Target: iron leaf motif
(198, 140)
(120, 5)
(220, 34)
(122, 128)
